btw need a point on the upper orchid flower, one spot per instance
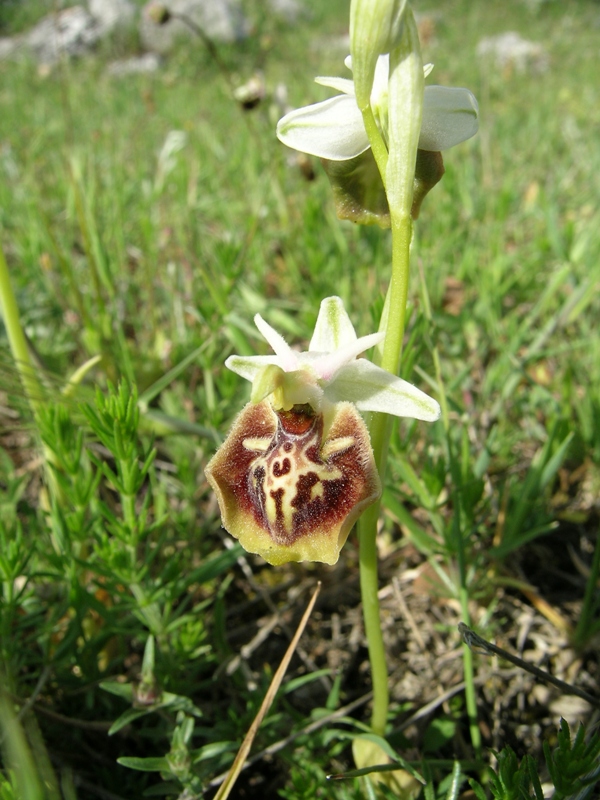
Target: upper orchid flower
(297, 469)
(334, 129)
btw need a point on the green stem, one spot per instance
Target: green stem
(20, 352)
(397, 169)
(369, 587)
(380, 429)
(394, 328)
(16, 338)
(463, 596)
(378, 146)
(129, 514)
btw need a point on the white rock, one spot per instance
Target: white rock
(72, 31)
(112, 14)
(9, 46)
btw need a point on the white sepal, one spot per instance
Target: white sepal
(332, 129)
(371, 388)
(333, 327)
(329, 371)
(449, 117)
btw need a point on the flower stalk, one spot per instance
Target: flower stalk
(380, 428)
(296, 452)
(405, 113)
(378, 146)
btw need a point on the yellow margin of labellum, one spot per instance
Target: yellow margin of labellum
(291, 484)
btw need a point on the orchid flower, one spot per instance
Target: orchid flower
(297, 469)
(330, 372)
(334, 129)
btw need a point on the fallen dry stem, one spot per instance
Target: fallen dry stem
(479, 644)
(240, 758)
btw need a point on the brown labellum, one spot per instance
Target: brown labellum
(358, 191)
(291, 484)
(429, 170)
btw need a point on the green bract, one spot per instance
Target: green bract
(406, 101)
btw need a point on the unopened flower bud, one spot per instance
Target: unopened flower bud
(146, 694)
(375, 29)
(158, 13)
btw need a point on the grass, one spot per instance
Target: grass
(128, 242)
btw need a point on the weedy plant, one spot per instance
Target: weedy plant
(120, 598)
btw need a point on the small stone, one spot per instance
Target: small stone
(510, 52)
(288, 10)
(138, 65)
(158, 13)
(571, 708)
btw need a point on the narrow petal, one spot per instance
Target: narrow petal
(382, 74)
(248, 367)
(343, 85)
(380, 81)
(333, 328)
(328, 364)
(286, 357)
(449, 117)
(371, 388)
(332, 129)
(268, 380)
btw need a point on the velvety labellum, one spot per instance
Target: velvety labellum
(291, 484)
(358, 191)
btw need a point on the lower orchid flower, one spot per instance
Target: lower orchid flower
(297, 469)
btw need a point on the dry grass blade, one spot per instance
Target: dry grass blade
(314, 726)
(240, 758)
